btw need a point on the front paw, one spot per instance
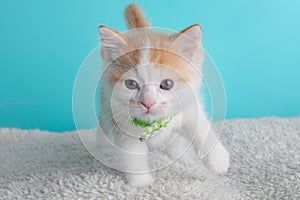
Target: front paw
(218, 159)
(139, 180)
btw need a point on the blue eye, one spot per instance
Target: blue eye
(131, 84)
(166, 84)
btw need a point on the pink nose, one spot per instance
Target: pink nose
(148, 103)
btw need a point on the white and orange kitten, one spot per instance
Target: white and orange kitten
(151, 76)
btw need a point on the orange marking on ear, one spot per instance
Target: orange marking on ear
(191, 27)
(112, 30)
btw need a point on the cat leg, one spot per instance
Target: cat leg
(134, 160)
(178, 148)
(206, 143)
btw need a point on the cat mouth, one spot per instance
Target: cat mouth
(150, 114)
(150, 117)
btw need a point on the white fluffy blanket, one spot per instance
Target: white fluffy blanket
(265, 164)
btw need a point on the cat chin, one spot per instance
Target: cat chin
(153, 114)
(149, 116)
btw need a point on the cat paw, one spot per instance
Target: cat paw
(139, 180)
(218, 159)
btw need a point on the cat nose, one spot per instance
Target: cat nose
(149, 96)
(148, 103)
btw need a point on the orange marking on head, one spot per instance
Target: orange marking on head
(123, 64)
(163, 103)
(168, 59)
(161, 52)
(132, 101)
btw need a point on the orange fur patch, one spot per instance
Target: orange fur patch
(161, 52)
(163, 103)
(164, 58)
(135, 17)
(132, 101)
(123, 64)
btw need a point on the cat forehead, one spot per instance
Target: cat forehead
(149, 73)
(149, 56)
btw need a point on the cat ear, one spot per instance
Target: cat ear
(188, 41)
(110, 38)
(111, 42)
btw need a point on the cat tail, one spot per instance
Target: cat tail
(135, 17)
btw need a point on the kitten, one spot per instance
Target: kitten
(152, 81)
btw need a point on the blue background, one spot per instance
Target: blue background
(255, 45)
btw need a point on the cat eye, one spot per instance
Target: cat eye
(166, 84)
(131, 84)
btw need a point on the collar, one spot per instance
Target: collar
(151, 127)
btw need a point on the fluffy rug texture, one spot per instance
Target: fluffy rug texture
(265, 164)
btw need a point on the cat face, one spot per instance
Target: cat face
(148, 92)
(151, 75)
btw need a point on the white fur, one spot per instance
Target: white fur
(189, 121)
